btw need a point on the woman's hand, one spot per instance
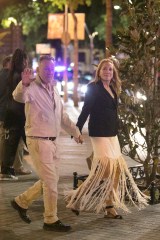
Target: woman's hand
(79, 139)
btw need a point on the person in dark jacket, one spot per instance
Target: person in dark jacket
(14, 119)
(4, 72)
(105, 188)
(18, 162)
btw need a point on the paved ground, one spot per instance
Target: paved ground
(139, 225)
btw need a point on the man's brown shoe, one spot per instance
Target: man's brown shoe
(22, 212)
(57, 226)
(22, 171)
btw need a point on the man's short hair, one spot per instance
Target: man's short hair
(6, 60)
(46, 57)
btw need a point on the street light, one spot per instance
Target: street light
(65, 40)
(91, 38)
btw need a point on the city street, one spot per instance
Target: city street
(138, 225)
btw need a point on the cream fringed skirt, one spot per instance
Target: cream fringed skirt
(109, 181)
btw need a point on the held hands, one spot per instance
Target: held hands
(27, 77)
(79, 139)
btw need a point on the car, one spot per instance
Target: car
(83, 80)
(82, 86)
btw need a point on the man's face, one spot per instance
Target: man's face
(46, 71)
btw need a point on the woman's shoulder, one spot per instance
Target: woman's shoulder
(91, 85)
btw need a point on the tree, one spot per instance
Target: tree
(140, 109)
(108, 25)
(32, 16)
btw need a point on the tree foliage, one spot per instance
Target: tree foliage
(140, 109)
(33, 17)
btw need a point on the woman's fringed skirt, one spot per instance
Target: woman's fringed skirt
(109, 181)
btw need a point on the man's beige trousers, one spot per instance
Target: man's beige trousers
(45, 158)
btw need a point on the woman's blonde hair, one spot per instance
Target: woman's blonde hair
(116, 81)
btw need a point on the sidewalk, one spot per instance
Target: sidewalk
(138, 225)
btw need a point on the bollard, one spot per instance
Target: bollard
(154, 193)
(75, 180)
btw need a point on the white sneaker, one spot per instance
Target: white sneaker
(7, 177)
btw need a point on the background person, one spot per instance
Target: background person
(4, 72)
(106, 186)
(15, 118)
(44, 118)
(18, 165)
(18, 162)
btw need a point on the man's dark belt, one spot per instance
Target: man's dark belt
(45, 138)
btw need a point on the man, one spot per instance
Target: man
(18, 164)
(44, 118)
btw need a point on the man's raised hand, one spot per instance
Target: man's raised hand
(27, 77)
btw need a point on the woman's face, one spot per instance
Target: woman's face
(106, 71)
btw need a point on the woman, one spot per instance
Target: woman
(15, 117)
(106, 186)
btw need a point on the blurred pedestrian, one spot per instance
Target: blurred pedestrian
(4, 72)
(44, 118)
(106, 188)
(18, 163)
(14, 119)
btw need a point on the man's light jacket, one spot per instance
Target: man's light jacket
(44, 110)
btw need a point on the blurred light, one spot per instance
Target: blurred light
(72, 64)
(144, 97)
(7, 22)
(34, 64)
(141, 96)
(88, 77)
(59, 87)
(69, 69)
(12, 19)
(63, 83)
(116, 7)
(93, 34)
(83, 89)
(59, 68)
(70, 85)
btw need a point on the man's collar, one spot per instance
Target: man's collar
(39, 81)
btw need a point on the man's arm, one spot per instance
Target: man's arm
(18, 93)
(70, 127)
(89, 101)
